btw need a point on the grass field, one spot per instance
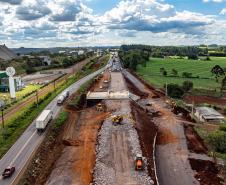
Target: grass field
(202, 69)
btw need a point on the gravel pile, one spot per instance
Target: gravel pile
(105, 172)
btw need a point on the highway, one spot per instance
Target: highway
(23, 149)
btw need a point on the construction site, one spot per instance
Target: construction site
(126, 133)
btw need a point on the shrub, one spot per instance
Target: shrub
(175, 91)
(187, 86)
(218, 140)
(186, 75)
(61, 119)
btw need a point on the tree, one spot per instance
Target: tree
(174, 72)
(186, 75)
(187, 86)
(223, 84)
(217, 71)
(164, 73)
(162, 69)
(175, 91)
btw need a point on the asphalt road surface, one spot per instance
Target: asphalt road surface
(20, 153)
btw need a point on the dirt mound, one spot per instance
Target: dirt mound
(205, 99)
(147, 131)
(206, 172)
(194, 141)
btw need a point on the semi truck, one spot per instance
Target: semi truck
(44, 118)
(62, 97)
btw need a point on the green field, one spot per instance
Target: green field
(199, 68)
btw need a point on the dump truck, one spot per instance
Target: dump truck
(116, 119)
(44, 118)
(139, 162)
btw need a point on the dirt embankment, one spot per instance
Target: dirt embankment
(206, 172)
(147, 131)
(205, 99)
(44, 159)
(194, 141)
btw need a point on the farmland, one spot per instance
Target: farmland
(198, 68)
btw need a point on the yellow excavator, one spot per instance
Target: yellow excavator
(117, 119)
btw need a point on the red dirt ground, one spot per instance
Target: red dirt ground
(194, 141)
(206, 172)
(205, 99)
(147, 131)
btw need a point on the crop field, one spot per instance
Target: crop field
(199, 68)
(28, 89)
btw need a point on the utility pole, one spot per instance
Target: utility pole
(166, 89)
(54, 85)
(2, 105)
(37, 97)
(3, 124)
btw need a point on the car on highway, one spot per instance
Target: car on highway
(8, 172)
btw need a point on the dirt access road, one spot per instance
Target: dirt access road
(173, 167)
(118, 145)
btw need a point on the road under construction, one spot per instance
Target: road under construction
(131, 139)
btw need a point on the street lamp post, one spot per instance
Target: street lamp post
(2, 105)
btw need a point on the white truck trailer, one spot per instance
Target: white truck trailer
(44, 118)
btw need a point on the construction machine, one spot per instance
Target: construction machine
(99, 107)
(116, 119)
(139, 162)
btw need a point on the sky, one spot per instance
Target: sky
(77, 23)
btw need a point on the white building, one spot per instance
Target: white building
(81, 52)
(207, 114)
(46, 60)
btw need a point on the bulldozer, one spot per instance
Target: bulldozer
(139, 162)
(116, 119)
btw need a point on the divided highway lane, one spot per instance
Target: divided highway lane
(21, 152)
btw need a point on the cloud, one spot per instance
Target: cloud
(32, 12)
(146, 15)
(223, 11)
(13, 2)
(215, 1)
(65, 10)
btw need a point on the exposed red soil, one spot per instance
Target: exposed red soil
(100, 82)
(194, 141)
(165, 136)
(205, 99)
(147, 131)
(206, 172)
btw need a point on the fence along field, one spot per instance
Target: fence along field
(199, 68)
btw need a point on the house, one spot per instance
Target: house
(6, 53)
(4, 82)
(46, 60)
(81, 52)
(207, 114)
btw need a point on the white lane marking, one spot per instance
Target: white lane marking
(22, 149)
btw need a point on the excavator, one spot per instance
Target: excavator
(116, 119)
(139, 163)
